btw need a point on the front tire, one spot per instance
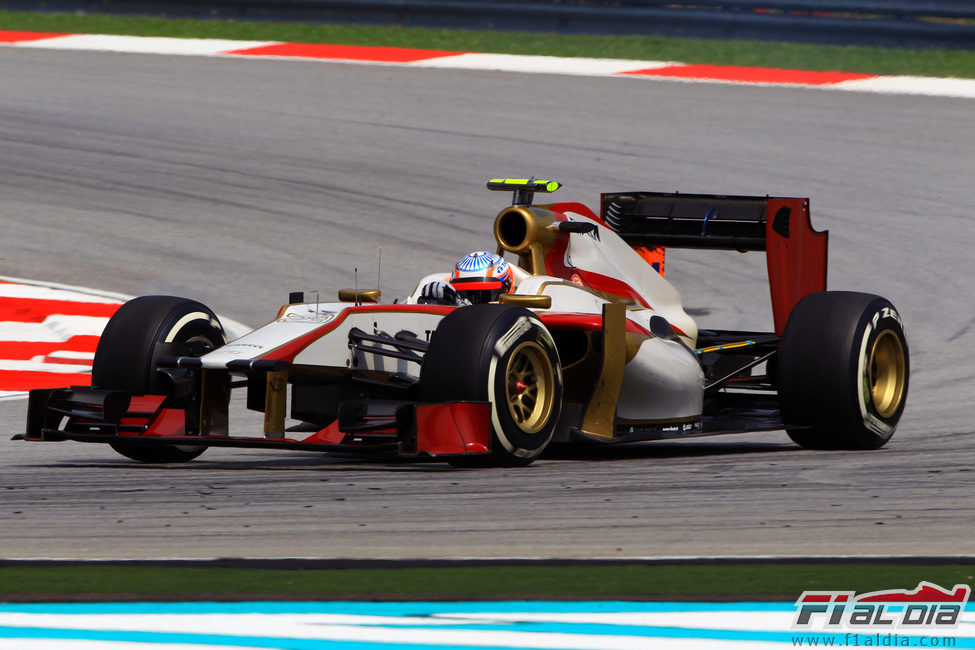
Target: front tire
(141, 331)
(843, 371)
(506, 356)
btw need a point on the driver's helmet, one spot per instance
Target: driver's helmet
(481, 277)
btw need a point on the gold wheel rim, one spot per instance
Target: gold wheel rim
(887, 373)
(529, 387)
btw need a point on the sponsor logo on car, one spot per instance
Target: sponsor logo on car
(319, 316)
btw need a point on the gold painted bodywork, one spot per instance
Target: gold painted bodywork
(525, 231)
(526, 301)
(609, 297)
(360, 295)
(275, 403)
(599, 420)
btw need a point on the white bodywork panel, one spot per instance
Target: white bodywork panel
(298, 320)
(663, 381)
(611, 256)
(332, 348)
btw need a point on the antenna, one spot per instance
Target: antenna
(379, 272)
(355, 284)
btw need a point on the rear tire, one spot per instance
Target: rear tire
(506, 356)
(129, 347)
(843, 371)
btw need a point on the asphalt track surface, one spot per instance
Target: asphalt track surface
(237, 181)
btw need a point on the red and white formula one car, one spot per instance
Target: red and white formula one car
(589, 344)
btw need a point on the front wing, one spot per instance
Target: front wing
(405, 429)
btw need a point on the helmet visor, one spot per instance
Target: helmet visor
(478, 290)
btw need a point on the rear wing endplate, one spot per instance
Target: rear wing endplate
(796, 254)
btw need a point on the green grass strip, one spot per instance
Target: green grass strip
(782, 581)
(873, 60)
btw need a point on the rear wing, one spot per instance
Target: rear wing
(796, 254)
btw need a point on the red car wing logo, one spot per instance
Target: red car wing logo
(926, 606)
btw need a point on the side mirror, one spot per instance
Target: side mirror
(529, 302)
(359, 295)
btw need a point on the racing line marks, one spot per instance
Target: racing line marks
(656, 70)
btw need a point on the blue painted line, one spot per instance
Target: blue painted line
(439, 614)
(218, 640)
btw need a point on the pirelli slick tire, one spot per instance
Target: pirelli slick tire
(843, 370)
(142, 330)
(504, 355)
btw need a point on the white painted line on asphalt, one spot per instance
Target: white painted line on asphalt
(55, 329)
(8, 365)
(964, 88)
(37, 292)
(77, 644)
(142, 44)
(540, 64)
(68, 355)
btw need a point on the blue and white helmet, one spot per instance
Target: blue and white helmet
(481, 277)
